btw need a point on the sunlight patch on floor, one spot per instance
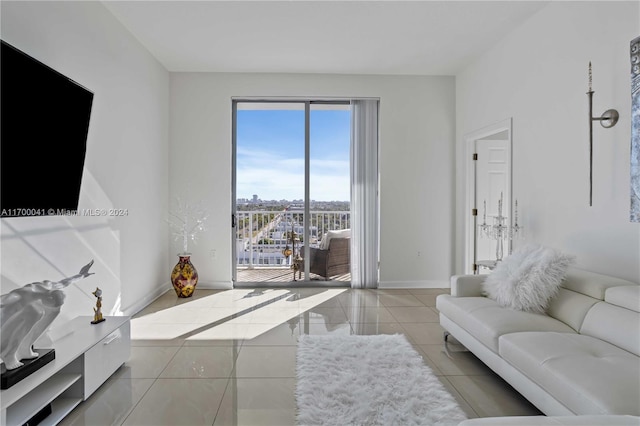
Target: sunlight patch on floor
(229, 315)
(267, 317)
(180, 320)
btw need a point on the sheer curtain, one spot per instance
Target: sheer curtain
(364, 193)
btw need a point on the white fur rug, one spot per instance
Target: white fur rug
(369, 380)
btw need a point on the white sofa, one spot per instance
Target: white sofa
(589, 420)
(581, 358)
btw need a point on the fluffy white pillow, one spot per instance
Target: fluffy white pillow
(527, 279)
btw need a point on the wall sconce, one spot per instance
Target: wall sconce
(608, 119)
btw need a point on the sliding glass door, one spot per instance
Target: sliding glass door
(291, 186)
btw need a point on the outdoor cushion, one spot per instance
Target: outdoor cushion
(339, 233)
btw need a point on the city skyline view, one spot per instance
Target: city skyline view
(270, 157)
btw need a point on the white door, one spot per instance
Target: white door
(492, 182)
(488, 169)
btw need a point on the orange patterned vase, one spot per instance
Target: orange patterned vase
(184, 276)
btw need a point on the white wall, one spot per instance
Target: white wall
(416, 164)
(126, 163)
(538, 76)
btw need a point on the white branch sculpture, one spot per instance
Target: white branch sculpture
(187, 221)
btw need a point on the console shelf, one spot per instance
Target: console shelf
(60, 408)
(38, 398)
(75, 373)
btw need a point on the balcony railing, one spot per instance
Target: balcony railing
(262, 236)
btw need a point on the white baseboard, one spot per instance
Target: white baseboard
(415, 284)
(215, 285)
(143, 303)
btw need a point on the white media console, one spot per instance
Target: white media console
(85, 358)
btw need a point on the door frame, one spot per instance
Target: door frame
(307, 102)
(470, 219)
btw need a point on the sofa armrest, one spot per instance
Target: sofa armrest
(467, 285)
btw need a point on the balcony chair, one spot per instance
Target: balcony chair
(332, 258)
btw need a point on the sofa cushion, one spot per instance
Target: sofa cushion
(613, 324)
(484, 319)
(624, 296)
(570, 307)
(586, 374)
(591, 283)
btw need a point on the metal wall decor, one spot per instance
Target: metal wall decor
(608, 119)
(635, 130)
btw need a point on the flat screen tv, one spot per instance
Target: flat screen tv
(44, 126)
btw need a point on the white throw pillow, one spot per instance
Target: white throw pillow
(527, 279)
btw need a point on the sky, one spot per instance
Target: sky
(270, 154)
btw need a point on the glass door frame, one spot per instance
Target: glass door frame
(307, 161)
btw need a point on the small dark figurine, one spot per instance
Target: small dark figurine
(97, 316)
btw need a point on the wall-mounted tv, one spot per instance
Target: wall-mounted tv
(44, 126)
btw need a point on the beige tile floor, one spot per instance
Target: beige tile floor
(228, 357)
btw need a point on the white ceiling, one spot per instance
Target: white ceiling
(344, 37)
